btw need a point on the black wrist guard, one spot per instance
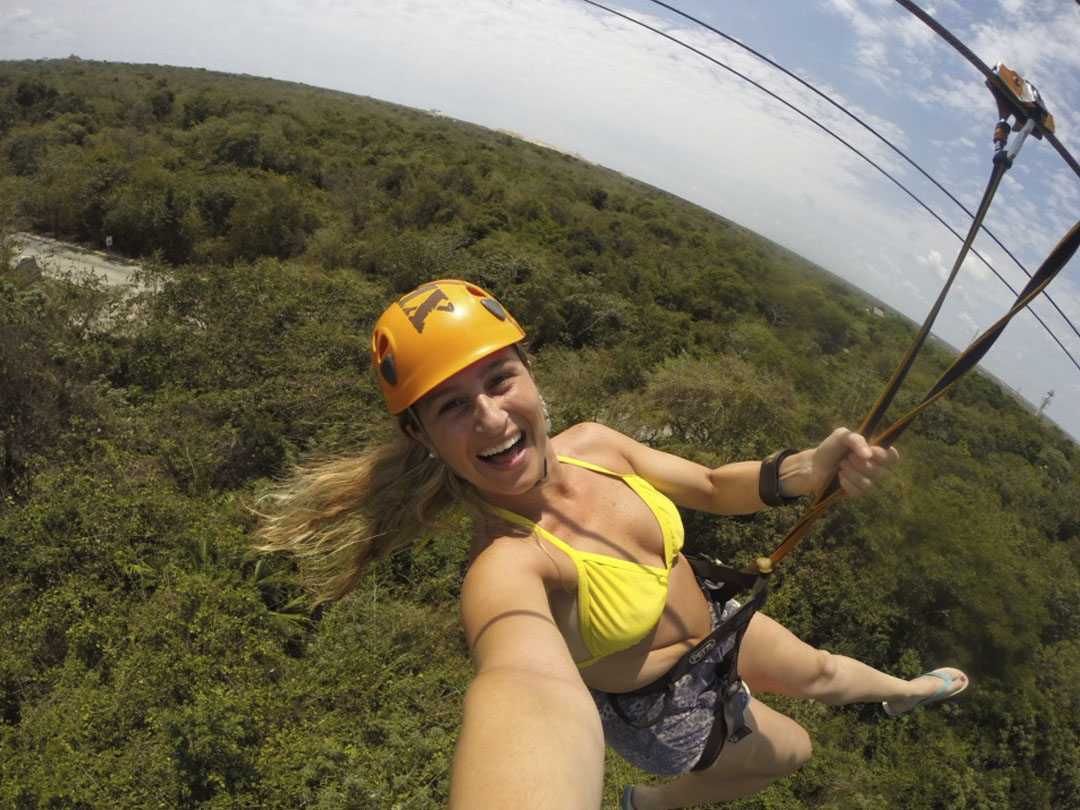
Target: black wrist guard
(769, 480)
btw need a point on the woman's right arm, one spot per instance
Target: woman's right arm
(531, 735)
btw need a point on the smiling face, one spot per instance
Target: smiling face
(487, 423)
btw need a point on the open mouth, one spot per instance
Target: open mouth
(505, 451)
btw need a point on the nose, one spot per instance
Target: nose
(488, 413)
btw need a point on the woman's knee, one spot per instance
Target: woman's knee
(782, 749)
(800, 751)
(826, 667)
(816, 679)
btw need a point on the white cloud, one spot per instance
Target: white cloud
(936, 262)
(21, 24)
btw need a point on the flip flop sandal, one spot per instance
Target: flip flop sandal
(941, 694)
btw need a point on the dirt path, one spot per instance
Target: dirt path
(57, 258)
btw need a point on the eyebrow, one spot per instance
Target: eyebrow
(440, 393)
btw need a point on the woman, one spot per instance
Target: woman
(577, 592)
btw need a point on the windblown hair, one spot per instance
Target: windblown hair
(341, 515)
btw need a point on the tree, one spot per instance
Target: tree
(26, 153)
(60, 204)
(35, 99)
(161, 103)
(152, 211)
(268, 219)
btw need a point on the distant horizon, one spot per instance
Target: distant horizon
(1017, 391)
(598, 86)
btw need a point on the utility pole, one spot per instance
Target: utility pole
(1046, 401)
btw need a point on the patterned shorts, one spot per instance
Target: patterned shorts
(674, 744)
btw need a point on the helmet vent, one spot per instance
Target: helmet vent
(388, 369)
(494, 307)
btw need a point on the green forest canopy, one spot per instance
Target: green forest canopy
(152, 661)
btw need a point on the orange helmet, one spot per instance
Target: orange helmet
(433, 332)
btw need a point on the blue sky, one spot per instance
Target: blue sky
(565, 73)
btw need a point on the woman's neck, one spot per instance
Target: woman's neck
(550, 488)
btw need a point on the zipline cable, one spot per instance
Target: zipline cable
(850, 146)
(1027, 122)
(812, 88)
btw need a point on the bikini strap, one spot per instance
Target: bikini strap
(525, 523)
(506, 514)
(588, 465)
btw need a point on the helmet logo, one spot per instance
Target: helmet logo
(434, 300)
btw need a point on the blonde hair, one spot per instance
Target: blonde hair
(343, 514)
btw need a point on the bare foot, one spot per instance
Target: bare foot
(933, 687)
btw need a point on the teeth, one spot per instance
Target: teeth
(504, 446)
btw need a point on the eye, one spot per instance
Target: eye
(498, 385)
(449, 405)
(501, 379)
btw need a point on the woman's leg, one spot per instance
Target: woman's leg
(773, 659)
(776, 747)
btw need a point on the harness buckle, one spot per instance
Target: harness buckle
(736, 701)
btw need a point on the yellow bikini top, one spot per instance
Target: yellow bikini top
(619, 601)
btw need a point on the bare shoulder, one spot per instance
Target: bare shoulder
(506, 553)
(505, 607)
(596, 443)
(506, 564)
(685, 482)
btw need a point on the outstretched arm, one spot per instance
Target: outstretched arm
(732, 489)
(531, 735)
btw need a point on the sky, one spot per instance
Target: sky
(566, 73)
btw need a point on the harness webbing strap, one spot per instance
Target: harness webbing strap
(832, 490)
(1058, 258)
(729, 720)
(887, 394)
(719, 583)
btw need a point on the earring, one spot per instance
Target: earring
(547, 415)
(430, 454)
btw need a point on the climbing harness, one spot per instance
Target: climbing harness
(719, 583)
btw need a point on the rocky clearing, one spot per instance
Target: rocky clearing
(54, 258)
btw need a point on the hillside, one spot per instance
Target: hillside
(152, 661)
